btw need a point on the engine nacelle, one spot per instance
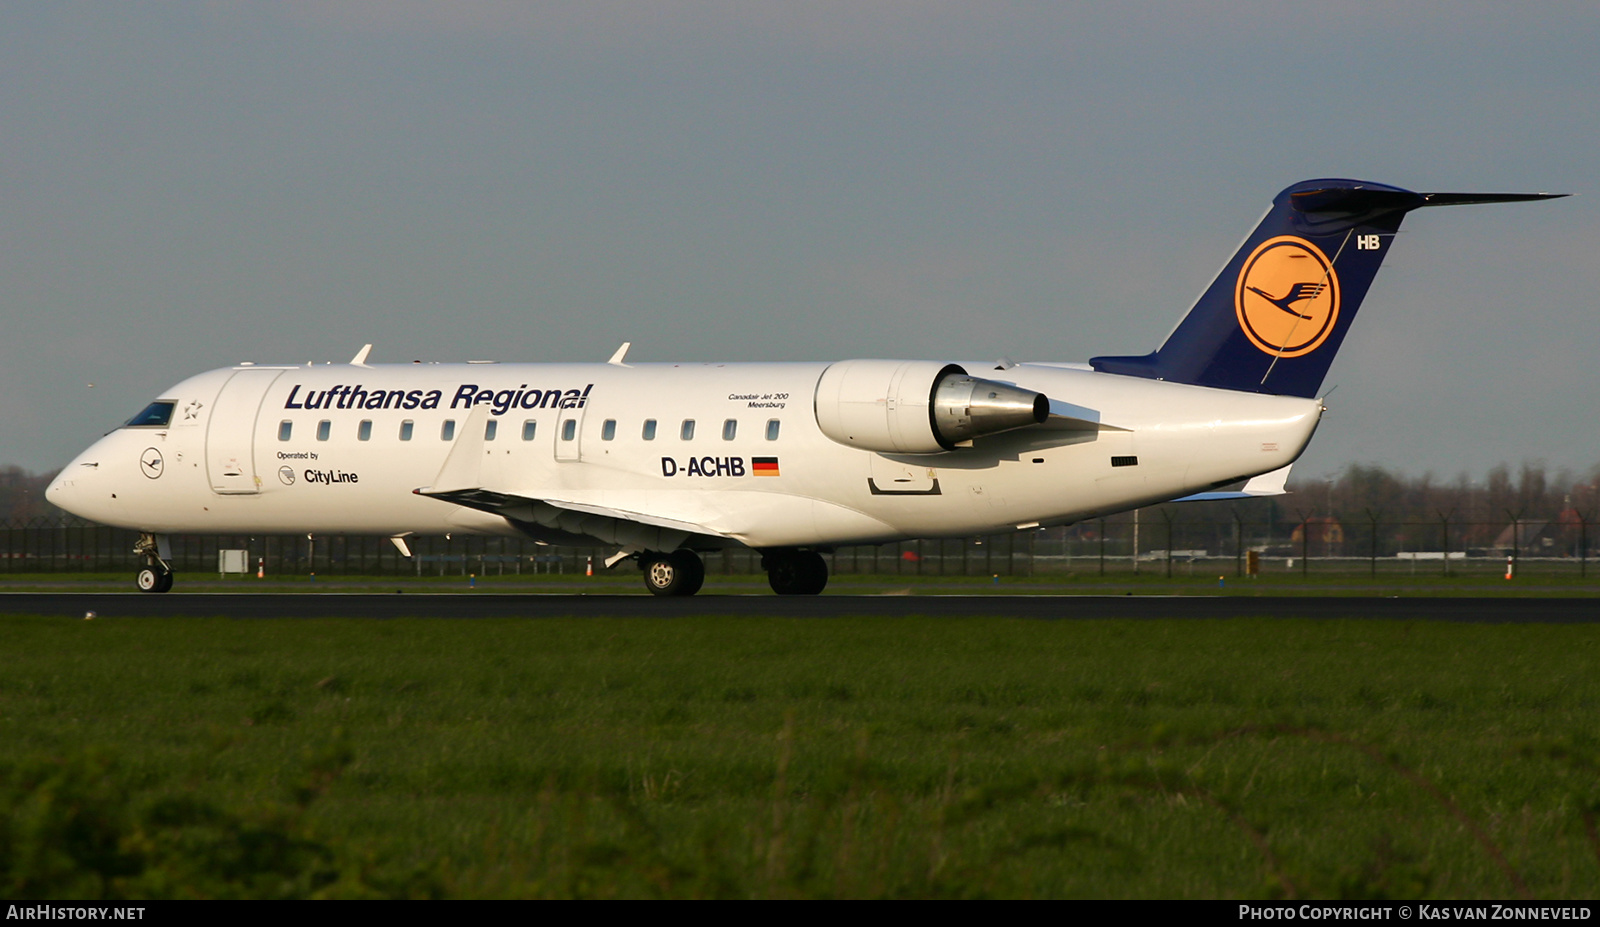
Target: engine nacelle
(918, 407)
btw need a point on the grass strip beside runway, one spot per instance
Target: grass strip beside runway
(624, 580)
(852, 756)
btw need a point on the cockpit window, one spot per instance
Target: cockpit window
(155, 415)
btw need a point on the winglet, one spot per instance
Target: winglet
(1267, 484)
(360, 360)
(616, 359)
(463, 466)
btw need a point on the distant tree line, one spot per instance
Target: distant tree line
(1532, 493)
(1367, 508)
(22, 494)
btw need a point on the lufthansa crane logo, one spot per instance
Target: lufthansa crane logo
(150, 463)
(1287, 298)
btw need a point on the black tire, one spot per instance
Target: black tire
(693, 569)
(677, 573)
(802, 572)
(151, 579)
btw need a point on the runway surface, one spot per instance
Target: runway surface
(247, 606)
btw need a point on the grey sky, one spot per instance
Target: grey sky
(187, 185)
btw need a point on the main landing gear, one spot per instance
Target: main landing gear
(156, 575)
(681, 572)
(677, 573)
(795, 572)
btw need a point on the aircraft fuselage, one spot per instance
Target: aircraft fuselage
(339, 448)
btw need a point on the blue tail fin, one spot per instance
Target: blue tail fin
(1276, 315)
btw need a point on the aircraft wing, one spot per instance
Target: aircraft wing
(465, 480)
(633, 519)
(519, 507)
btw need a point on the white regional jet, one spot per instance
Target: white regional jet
(657, 462)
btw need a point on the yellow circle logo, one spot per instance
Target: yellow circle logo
(1288, 297)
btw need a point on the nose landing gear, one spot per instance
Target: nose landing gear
(154, 579)
(156, 575)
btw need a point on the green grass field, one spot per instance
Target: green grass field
(852, 756)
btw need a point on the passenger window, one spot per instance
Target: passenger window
(447, 431)
(687, 432)
(323, 429)
(490, 428)
(649, 429)
(154, 414)
(569, 429)
(364, 430)
(772, 430)
(729, 429)
(528, 428)
(405, 429)
(608, 430)
(285, 429)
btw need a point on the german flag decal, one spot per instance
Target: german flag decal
(764, 466)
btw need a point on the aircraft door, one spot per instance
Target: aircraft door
(230, 434)
(569, 434)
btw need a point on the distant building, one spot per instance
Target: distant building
(1325, 533)
(1573, 532)
(1528, 537)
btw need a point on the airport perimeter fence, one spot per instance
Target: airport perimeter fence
(1166, 544)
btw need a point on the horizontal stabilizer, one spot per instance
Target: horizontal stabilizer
(1473, 199)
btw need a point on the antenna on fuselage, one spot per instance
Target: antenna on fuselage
(360, 360)
(622, 352)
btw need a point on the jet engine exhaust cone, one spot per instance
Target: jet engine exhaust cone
(966, 407)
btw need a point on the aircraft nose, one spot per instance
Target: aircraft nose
(68, 490)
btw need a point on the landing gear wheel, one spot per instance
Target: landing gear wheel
(154, 579)
(677, 573)
(802, 572)
(156, 575)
